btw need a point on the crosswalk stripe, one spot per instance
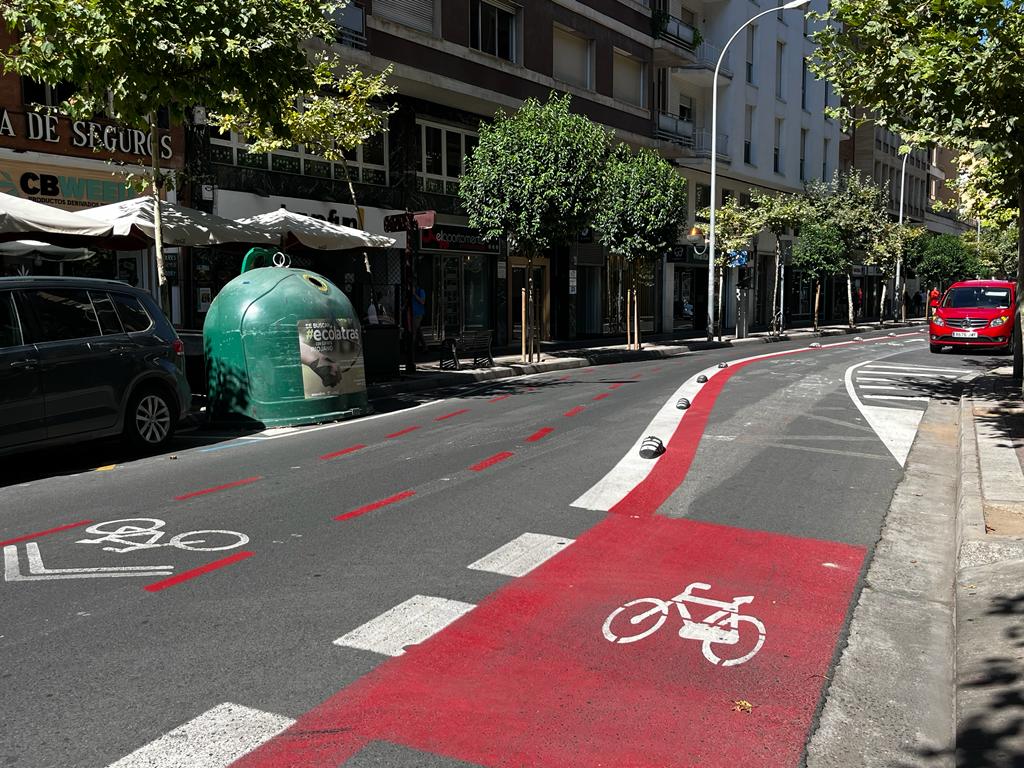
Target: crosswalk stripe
(522, 554)
(886, 386)
(916, 368)
(409, 623)
(214, 739)
(914, 374)
(896, 397)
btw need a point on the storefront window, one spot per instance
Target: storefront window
(477, 283)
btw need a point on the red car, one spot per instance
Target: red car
(974, 313)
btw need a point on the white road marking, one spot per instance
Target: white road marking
(38, 572)
(914, 374)
(897, 397)
(871, 378)
(960, 371)
(522, 554)
(409, 623)
(896, 427)
(214, 739)
(882, 386)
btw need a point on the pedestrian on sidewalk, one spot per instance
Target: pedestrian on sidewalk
(918, 302)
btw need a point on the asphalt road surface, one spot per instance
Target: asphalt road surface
(497, 578)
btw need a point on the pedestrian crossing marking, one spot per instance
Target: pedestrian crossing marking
(409, 623)
(521, 555)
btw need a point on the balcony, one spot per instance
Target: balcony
(702, 145)
(674, 40)
(701, 72)
(674, 129)
(350, 26)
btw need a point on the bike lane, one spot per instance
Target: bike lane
(530, 676)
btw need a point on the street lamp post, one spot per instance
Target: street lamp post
(899, 256)
(714, 157)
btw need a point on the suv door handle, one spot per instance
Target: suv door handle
(28, 363)
(119, 350)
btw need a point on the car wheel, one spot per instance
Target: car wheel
(935, 348)
(150, 419)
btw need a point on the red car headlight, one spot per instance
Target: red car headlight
(938, 320)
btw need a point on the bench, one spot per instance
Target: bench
(475, 345)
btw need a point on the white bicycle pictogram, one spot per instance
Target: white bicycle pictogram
(132, 534)
(721, 627)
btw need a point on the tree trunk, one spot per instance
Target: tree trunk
(1018, 343)
(359, 211)
(528, 324)
(881, 303)
(817, 301)
(849, 299)
(775, 291)
(158, 218)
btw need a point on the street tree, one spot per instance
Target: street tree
(818, 251)
(642, 206)
(129, 59)
(997, 251)
(736, 226)
(946, 72)
(942, 259)
(535, 179)
(853, 206)
(778, 214)
(894, 244)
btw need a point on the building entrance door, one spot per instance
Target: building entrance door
(447, 315)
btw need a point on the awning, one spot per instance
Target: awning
(290, 228)
(21, 219)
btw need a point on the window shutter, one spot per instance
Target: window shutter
(418, 14)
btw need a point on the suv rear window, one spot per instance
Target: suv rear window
(61, 314)
(133, 313)
(10, 331)
(978, 298)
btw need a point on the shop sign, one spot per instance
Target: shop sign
(686, 254)
(448, 237)
(63, 187)
(84, 134)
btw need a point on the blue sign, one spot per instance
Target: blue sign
(737, 258)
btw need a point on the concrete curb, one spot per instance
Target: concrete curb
(603, 357)
(891, 699)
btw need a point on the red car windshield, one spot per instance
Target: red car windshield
(978, 297)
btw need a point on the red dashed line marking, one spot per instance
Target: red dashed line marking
(574, 411)
(491, 461)
(602, 396)
(376, 505)
(452, 415)
(47, 532)
(499, 398)
(636, 376)
(540, 434)
(566, 377)
(216, 488)
(401, 432)
(177, 578)
(343, 452)
(615, 386)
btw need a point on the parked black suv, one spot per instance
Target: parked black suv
(82, 359)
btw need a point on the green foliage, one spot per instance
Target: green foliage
(819, 250)
(854, 207)
(535, 175)
(997, 251)
(894, 242)
(338, 114)
(778, 213)
(642, 205)
(943, 259)
(146, 54)
(735, 228)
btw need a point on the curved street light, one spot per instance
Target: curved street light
(714, 156)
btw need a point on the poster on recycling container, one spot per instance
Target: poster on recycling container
(332, 357)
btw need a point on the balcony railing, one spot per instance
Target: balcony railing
(707, 56)
(350, 26)
(679, 32)
(675, 129)
(702, 144)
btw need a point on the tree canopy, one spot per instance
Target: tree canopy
(642, 204)
(943, 259)
(535, 175)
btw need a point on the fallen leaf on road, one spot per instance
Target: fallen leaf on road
(742, 705)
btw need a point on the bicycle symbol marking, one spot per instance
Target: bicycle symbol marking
(132, 534)
(644, 616)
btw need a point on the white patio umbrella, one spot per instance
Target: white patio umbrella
(21, 218)
(320, 235)
(181, 226)
(45, 251)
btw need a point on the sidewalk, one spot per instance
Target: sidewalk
(557, 356)
(990, 579)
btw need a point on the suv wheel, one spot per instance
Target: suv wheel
(149, 421)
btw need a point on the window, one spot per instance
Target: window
(628, 79)
(803, 84)
(10, 331)
(745, 200)
(350, 25)
(366, 163)
(105, 314)
(685, 107)
(824, 159)
(803, 154)
(571, 58)
(748, 136)
(34, 92)
(444, 150)
(61, 314)
(133, 314)
(727, 195)
(751, 35)
(777, 154)
(701, 200)
(780, 53)
(492, 29)
(418, 14)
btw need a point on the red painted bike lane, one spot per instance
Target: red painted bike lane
(530, 677)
